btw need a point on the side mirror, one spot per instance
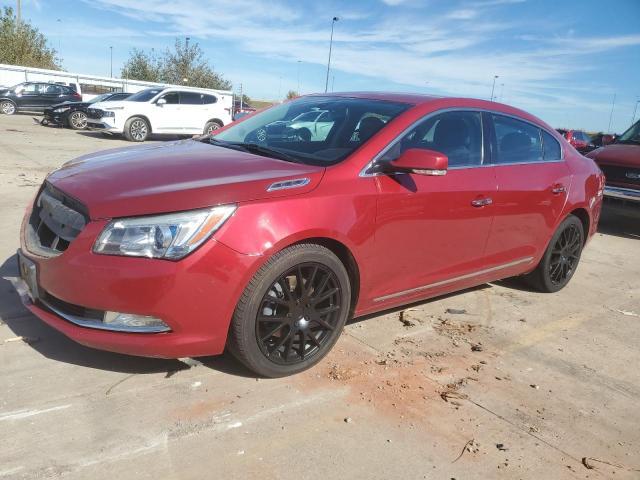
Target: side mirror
(161, 102)
(607, 139)
(421, 162)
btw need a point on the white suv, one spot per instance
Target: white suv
(171, 110)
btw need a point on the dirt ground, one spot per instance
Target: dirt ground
(495, 382)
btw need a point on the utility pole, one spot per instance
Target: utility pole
(493, 87)
(298, 88)
(111, 68)
(241, 96)
(613, 103)
(187, 42)
(326, 82)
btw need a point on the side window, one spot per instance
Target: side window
(551, 147)
(517, 141)
(30, 88)
(190, 98)
(172, 98)
(53, 90)
(456, 134)
(209, 99)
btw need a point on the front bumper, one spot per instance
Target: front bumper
(621, 193)
(105, 124)
(195, 296)
(54, 118)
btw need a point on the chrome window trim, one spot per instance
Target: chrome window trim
(363, 173)
(440, 283)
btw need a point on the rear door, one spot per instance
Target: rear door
(533, 181)
(192, 112)
(52, 94)
(431, 231)
(29, 95)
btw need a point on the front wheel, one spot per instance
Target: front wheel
(292, 311)
(211, 127)
(7, 107)
(561, 258)
(78, 120)
(136, 129)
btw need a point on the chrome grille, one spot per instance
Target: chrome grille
(56, 220)
(615, 173)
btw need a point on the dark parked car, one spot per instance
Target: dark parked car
(266, 245)
(74, 114)
(620, 163)
(35, 96)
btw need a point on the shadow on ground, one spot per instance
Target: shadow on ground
(54, 345)
(620, 221)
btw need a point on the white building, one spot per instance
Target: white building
(87, 85)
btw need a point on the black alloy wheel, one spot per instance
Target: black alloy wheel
(565, 255)
(298, 313)
(560, 260)
(292, 311)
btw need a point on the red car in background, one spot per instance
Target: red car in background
(266, 243)
(620, 163)
(578, 140)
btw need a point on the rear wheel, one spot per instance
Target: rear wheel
(292, 312)
(561, 258)
(136, 129)
(211, 127)
(7, 107)
(78, 120)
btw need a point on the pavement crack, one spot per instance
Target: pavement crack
(122, 380)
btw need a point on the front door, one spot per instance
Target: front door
(167, 115)
(432, 231)
(533, 182)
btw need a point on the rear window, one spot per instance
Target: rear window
(209, 99)
(190, 98)
(551, 147)
(517, 141)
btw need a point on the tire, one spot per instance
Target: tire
(136, 129)
(77, 120)
(212, 127)
(8, 107)
(561, 258)
(309, 319)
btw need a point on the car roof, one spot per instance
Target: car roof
(442, 102)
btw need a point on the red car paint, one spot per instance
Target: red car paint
(579, 140)
(410, 237)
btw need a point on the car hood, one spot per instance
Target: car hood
(174, 176)
(118, 104)
(622, 154)
(69, 104)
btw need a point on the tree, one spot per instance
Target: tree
(184, 65)
(143, 66)
(291, 94)
(22, 44)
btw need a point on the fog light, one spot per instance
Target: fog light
(133, 322)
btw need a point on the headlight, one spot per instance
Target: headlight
(61, 109)
(107, 113)
(171, 236)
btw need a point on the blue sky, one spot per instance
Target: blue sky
(561, 60)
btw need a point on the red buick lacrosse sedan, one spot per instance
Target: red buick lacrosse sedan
(267, 237)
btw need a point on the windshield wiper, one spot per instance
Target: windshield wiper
(266, 151)
(253, 148)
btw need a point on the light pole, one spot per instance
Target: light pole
(111, 64)
(326, 82)
(298, 88)
(613, 104)
(493, 87)
(635, 109)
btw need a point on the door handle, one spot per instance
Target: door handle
(557, 189)
(482, 202)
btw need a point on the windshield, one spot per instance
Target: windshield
(350, 123)
(144, 95)
(99, 98)
(632, 135)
